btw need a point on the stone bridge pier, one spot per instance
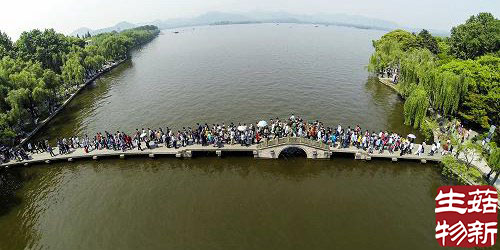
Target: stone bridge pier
(273, 148)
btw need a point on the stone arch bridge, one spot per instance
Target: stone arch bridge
(267, 149)
(271, 149)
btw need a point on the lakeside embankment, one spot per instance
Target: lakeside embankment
(108, 67)
(447, 82)
(477, 162)
(37, 83)
(388, 82)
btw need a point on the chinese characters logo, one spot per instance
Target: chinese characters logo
(466, 216)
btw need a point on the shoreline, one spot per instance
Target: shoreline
(479, 164)
(107, 68)
(103, 71)
(387, 82)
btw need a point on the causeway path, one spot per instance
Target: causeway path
(189, 151)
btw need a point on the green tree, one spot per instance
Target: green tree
(415, 107)
(426, 40)
(387, 56)
(481, 101)
(444, 48)
(73, 73)
(405, 39)
(47, 47)
(447, 91)
(93, 63)
(478, 36)
(51, 83)
(494, 161)
(25, 96)
(41, 66)
(115, 47)
(417, 68)
(7, 134)
(6, 46)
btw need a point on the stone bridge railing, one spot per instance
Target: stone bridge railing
(292, 141)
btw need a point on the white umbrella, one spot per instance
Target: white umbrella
(412, 136)
(143, 135)
(262, 124)
(242, 128)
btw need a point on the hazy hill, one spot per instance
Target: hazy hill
(118, 27)
(216, 17)
(277, 17)
(81, 31)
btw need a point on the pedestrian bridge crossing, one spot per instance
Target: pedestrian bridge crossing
(268, 149)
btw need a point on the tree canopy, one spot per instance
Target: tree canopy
(6, 45)
(478, 36)
(41, 67)
(426, 40)
(460, 75)
(403, 38)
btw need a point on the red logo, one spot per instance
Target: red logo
(466, 216)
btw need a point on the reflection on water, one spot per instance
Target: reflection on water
(238, 74)
(219, 203)
(10, 181)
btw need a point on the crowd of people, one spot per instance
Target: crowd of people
(218, 135)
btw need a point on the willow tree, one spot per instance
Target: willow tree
(415, 107)
(406, 40)
(387, 55)
(417, 68)
(73, 72)
(480, 103)
(448, 88)
(494, 161)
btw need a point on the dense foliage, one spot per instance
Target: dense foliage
(426, 40)
(494, 161)
(457, 170)
(478, 36)
(460, 75)
(40, 69)
(417, 106)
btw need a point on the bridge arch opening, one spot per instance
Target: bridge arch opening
(292, 152)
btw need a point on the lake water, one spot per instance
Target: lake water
(234, 73)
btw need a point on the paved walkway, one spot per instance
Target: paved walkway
(482, 166)
(188, 151)
(479, 164)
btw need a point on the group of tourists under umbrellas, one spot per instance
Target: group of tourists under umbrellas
(218, 135)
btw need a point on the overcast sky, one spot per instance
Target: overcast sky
(67, 15)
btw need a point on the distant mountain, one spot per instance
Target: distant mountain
(277, 17)
(205, 19)
(81, 31)
(215, 16)
(323, 18)
(354, 20)
(220, 18)
(118, 27)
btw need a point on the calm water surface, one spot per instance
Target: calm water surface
(238, 73)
